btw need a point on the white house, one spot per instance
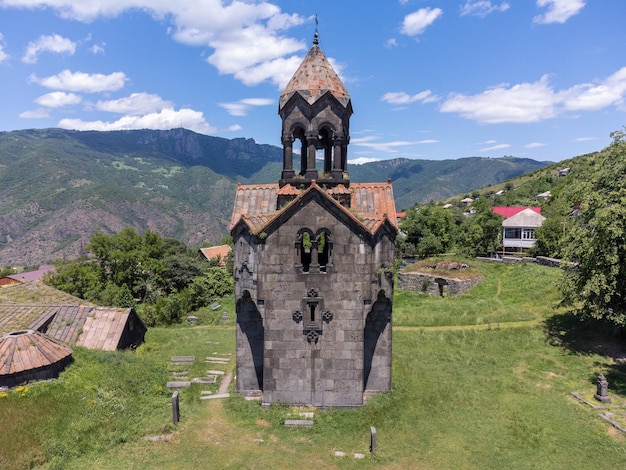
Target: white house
(519, 230)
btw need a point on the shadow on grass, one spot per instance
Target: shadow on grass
(592, 337)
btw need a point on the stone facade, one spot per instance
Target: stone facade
(311, 258)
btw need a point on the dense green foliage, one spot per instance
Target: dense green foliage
(430, 230)
(165, 277)
(596, 240)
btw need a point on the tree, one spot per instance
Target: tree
(82, 279)
(431, 228)
(480, 233)
(596, 242)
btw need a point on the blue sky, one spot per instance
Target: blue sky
(436, 79)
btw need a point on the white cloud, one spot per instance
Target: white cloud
(165, 119)
(558, 11)
(242, 107)
(362, 160)
(58, 99)
(387, 147)
(277, 71)
(416, 23)
(526, 102)
(97, 48)
(401, 97)
(534, 102)
(82, 82)
(247, 38)
(495, 147)
(590, 97)
(482, 8)
(534, 145)
(391, 42)
(134, 105)
(234, 128)
(3, 55)
(584, 139)
(54, 43)
(39, 113)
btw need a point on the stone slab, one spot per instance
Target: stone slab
(183, 358)
(175, 385)
(211, 397)
(302, 423)
(215, 372)
(204, 380)
(159, 437)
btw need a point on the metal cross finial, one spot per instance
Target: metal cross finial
(315, 37)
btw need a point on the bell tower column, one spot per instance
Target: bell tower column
(338, 170)
(288, 171)
(311, 170)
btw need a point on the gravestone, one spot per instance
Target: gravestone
(175, 408)
(602, 393)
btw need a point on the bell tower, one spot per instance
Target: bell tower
(315, 109)
(313, 257)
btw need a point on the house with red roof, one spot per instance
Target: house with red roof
(518, 228)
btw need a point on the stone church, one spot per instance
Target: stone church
(313, 259)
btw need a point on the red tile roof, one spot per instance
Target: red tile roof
(510, 211)
(220, 251)
(371, 204)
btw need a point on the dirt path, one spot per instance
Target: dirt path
(482, 326)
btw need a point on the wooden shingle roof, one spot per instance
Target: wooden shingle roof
(78, 322)
(103, 328)
(27, 350)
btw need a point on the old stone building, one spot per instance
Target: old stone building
(312, 258)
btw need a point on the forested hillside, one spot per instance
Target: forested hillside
(59, 187)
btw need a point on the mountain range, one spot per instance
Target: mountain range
(58, 187)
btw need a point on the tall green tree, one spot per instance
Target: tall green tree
(481, 233)
(431, 228)
(596, 242)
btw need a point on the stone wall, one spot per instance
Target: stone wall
(314, 337)
(435, 285)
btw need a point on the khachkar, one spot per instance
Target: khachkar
(313, 258)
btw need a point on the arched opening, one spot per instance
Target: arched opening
(325, 144)
(304, 249)
(300, 147)
(324, 249)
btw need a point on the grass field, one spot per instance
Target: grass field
(482, 381)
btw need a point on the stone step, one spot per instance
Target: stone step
(179, 359)
(302, 423)
(205, 380)
(218, 395)
(177, 384)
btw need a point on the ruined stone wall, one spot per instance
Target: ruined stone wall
(435, 285)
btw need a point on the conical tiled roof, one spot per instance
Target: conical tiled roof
(26, 350)
(314, 77)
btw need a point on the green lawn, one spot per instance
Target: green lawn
(491, 396)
